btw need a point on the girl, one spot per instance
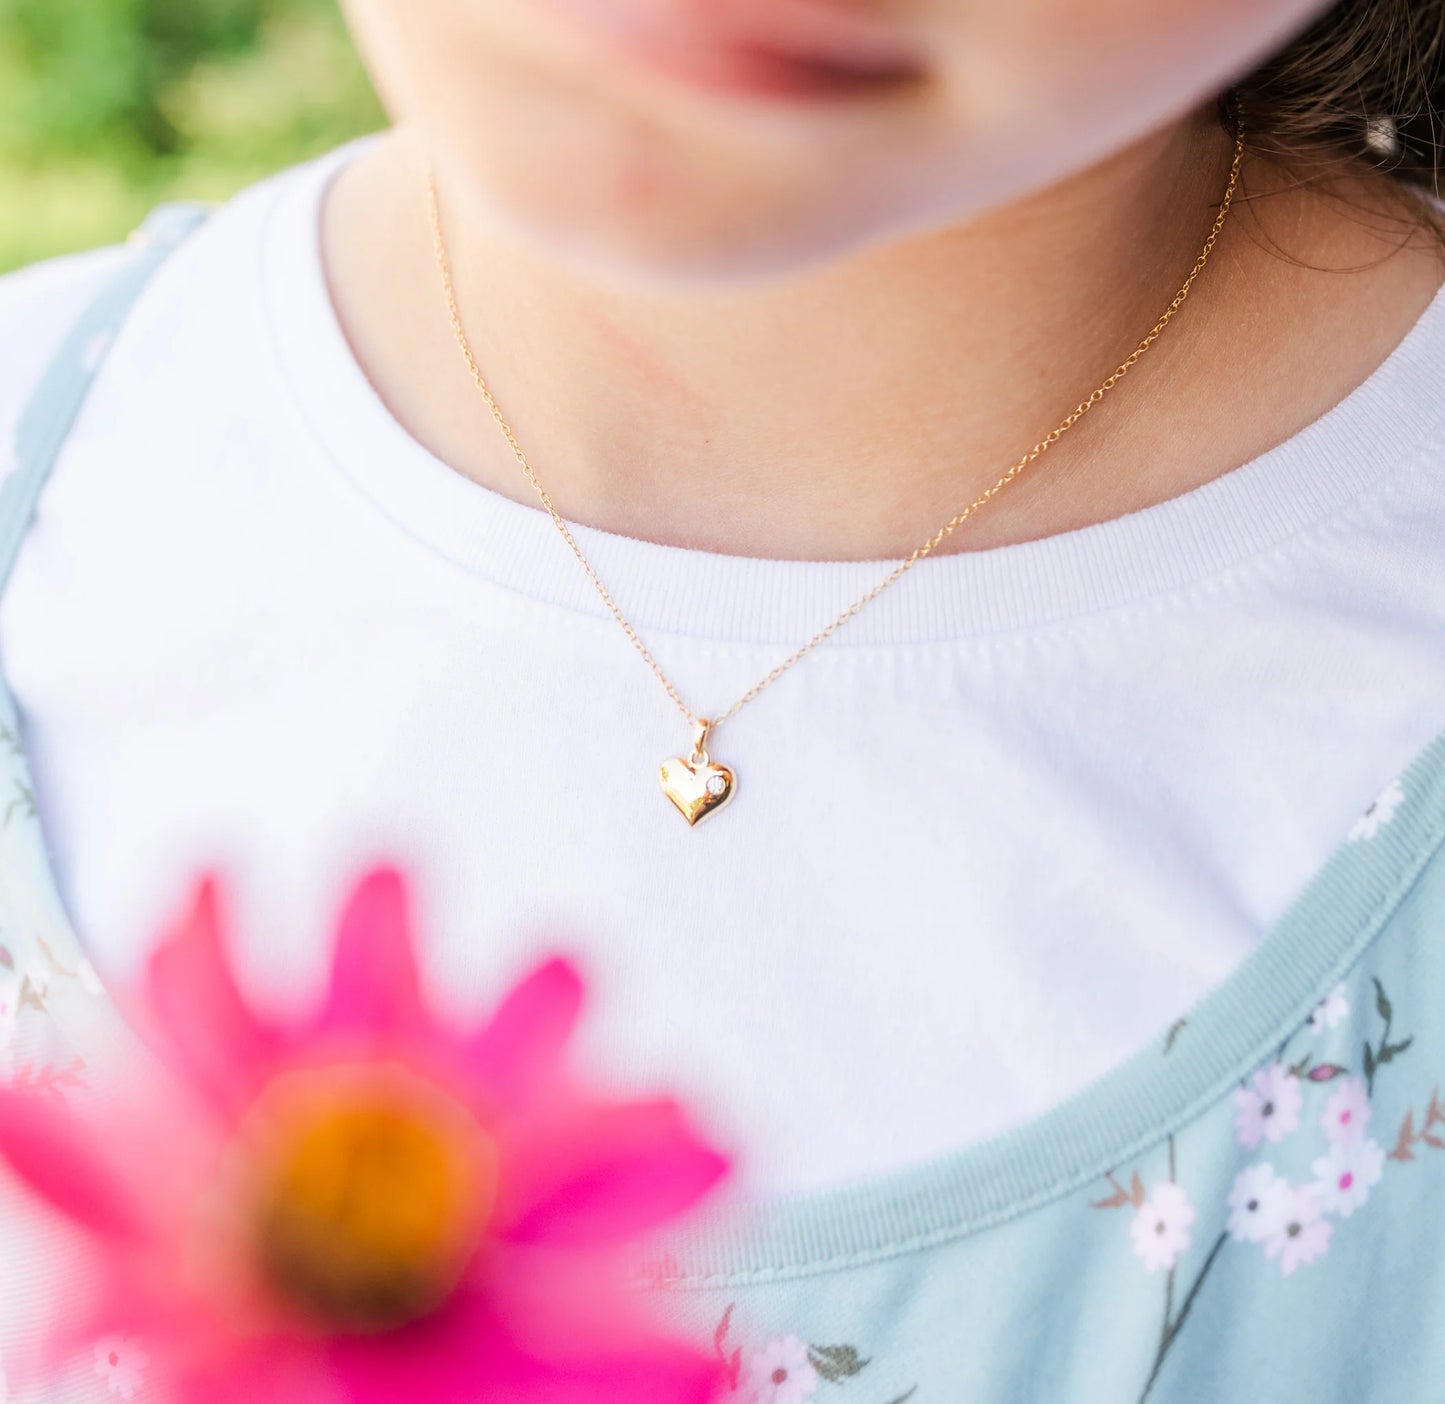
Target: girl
(910, 534)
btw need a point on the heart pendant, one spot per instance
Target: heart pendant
(694, 784)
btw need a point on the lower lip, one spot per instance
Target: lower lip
(732, 68)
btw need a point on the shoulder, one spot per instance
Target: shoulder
(35, 298)
(38, 306)
(210, 278)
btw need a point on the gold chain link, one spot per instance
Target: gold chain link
(903, 567)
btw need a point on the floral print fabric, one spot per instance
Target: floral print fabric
(1236, 1257)
(1280, 1240)
(1291, 1222)
(1237, 1233)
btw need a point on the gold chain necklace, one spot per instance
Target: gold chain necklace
(695, 783)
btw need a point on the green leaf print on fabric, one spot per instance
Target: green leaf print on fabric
(835, 1363)
(22, 800)
(788, 1370)
(1386, 1051)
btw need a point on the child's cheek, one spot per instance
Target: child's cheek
(616, 166)
(1110, 62)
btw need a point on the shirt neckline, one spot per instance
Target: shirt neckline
(1232, 1030)
(1135, 1106)
(1187, 539)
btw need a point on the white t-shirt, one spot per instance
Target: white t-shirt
(988, 842)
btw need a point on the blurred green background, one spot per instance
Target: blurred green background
(109, 106)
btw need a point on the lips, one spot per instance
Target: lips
(772, 48)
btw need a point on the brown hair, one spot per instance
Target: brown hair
(1366, 82)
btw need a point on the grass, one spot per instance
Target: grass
(299, 92)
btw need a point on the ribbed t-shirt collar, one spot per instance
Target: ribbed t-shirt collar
(1190, 538)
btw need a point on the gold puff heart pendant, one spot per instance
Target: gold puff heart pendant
(695, 785)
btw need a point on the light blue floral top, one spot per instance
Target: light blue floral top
(1251, 1210)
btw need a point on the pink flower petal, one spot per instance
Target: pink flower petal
(446, 1359)
(519, 1052)
(241, 1372)
(609, 1175)
(50, 1151)
(375, 988)
(545, 1315)
(466, 1356)
(214, 1039)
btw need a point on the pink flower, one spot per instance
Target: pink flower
(1269, 1108)
(1347, 1173)
(1258, 1202)
(1160, 1227)
(1347, 1113)
(780, 1373)
(1302, 1233)
(366, 1206)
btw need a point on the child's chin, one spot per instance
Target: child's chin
(641, 228)
(669, 257)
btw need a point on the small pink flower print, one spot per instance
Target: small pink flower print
(1380, 812)
(1347, 1173)
(121, 1362)
(1347, 1112)
(1269, 1108)
(1331, 1011)
(1303, 1233)
(1160, 1228)
(1258, 1203)
(779, 1373)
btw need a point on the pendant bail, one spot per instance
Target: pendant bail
(701, 728)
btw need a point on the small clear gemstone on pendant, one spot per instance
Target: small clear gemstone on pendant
(716, 786)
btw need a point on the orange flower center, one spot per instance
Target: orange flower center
(371, 1190)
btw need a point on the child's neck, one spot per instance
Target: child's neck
(846, 413)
